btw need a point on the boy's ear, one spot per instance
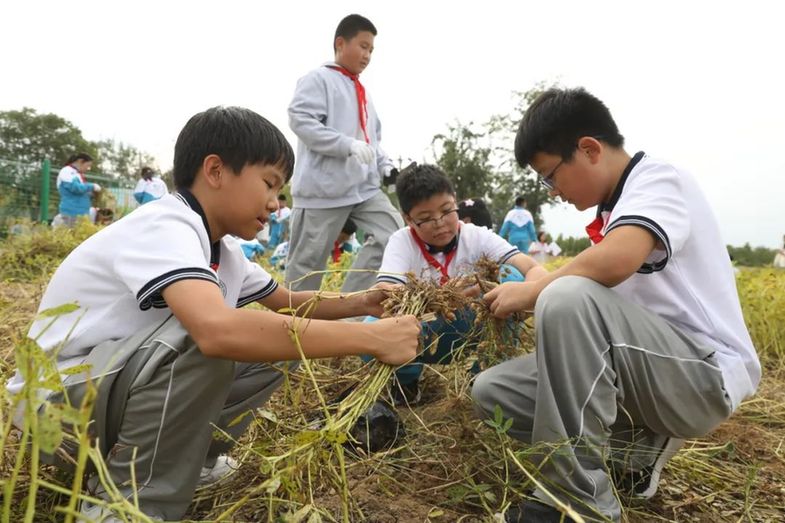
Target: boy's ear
(591, 147)
(213, 167)
(340, 42)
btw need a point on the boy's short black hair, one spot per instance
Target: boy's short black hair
(558, 118)
(239, 136)
(351, 25)
(79, 156)
(520, 201)
(417, 183)
(282, 198)
(349, 227)
(476, 210)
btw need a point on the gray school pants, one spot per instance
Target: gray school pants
(313, 234)
(158, 394)
(609, 381)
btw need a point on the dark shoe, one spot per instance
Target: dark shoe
(642, 484)
(405, 394)
(531, 511)
(377, 429)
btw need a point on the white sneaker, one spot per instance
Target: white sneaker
(642, 484)
(223, 468)
(89, 513)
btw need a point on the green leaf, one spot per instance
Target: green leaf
(435, 513)
(76, 369)
(507, 425)
(50, 428)
(298, 516)
(238, 419)
(58, 311)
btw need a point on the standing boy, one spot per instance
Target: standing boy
(340, 164)
(518, 226)
(161, 319)
(640, 338)
(438, 246)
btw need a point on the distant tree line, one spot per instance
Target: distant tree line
(748, 256)
(28, 137)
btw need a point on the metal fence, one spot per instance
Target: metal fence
(28, 192)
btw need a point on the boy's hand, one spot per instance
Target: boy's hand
(96, 187)
(372, 300)
(394, 340)
(362, 151)
(512, 297)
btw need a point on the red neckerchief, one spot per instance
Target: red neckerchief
(81, 176)
(595, 228)
(362, 102)
(336, 252)
(432, 261)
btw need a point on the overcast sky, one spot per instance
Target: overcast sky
(698, 83)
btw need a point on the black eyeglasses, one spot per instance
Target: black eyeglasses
(547, 181)
(433, 222)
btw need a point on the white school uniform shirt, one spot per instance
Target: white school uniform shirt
(688, 279)
(541, 251)
(117, 275)
(518, 216)
(403, 255)
(155, 187)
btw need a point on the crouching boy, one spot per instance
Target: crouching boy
(161, 322)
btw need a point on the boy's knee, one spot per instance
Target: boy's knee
(484, 391)
(564, 297)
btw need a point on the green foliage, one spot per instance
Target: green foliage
(480, 161)
(27, 136)
(571, 246)
(465, 160)
(762, 296)
(122, 160)
(36, 255)
(748, 256)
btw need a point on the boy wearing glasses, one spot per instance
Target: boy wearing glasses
(637, 348)
(436, 245)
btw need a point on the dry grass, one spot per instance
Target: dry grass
(453, 467)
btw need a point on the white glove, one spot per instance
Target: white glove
(362, 151)
(96, 187)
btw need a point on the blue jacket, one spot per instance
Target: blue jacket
(518, 229)
(74, 194)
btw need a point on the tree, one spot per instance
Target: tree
(480, 161)
(510, 180)
(29, 137)
(462, 156)
(123, 161)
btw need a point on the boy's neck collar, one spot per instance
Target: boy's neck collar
(433, 249)
(616, 194)
(190, 200)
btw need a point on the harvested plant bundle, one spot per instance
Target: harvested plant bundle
(498, 340)
(314, 451)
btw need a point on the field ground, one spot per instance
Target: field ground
(451, 467)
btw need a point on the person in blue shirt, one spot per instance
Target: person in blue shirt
(518, 226)
(75, 191)
(150, 187)
(278, 222)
